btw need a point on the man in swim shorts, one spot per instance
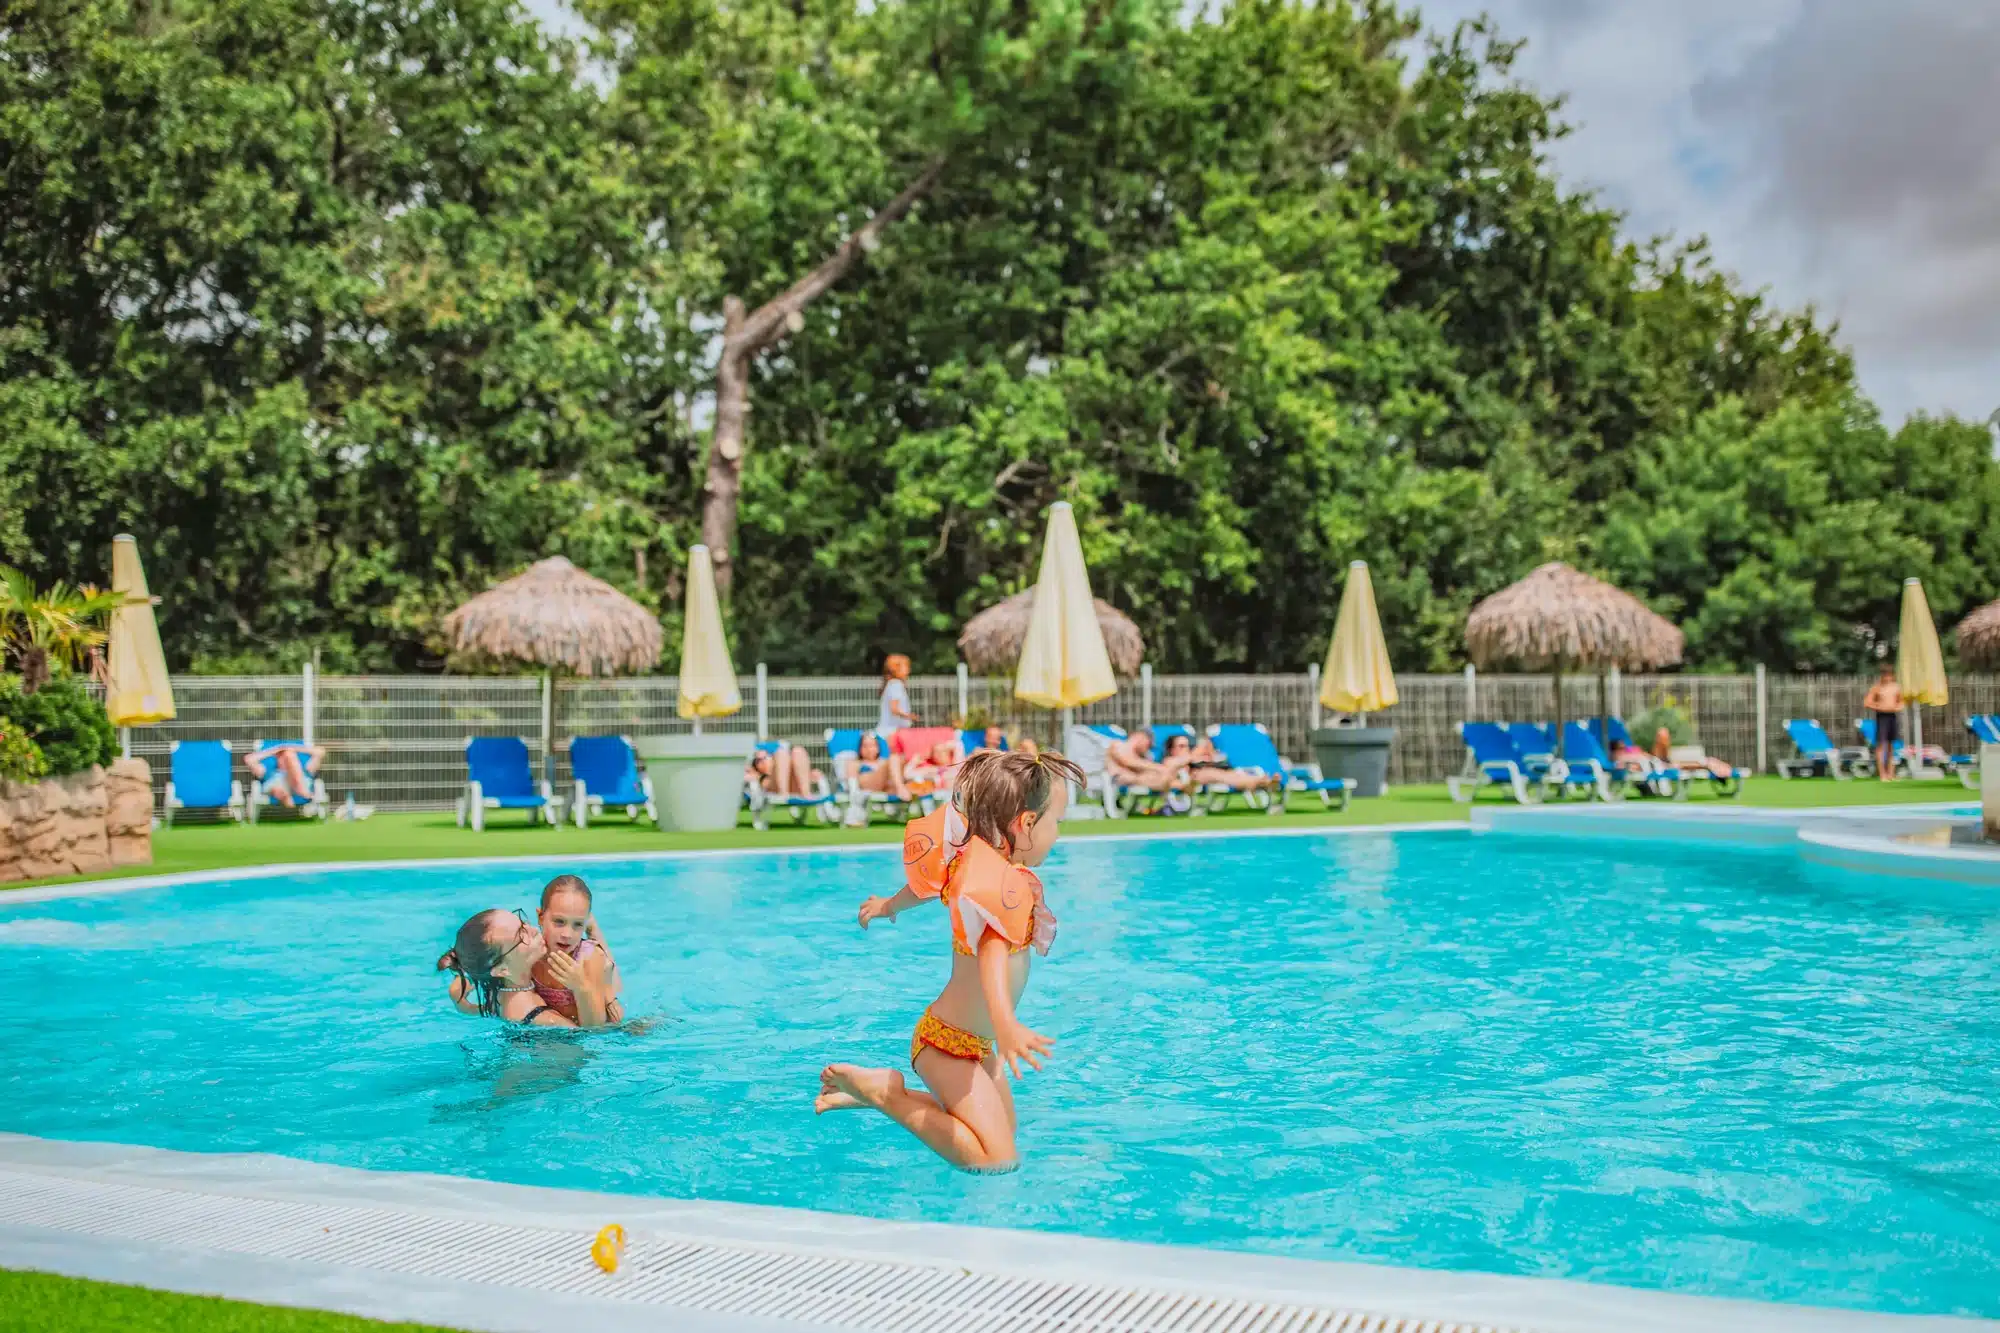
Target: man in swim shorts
(1885, 701)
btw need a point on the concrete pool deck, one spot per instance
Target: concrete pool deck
(513, 1259)
(1928, 842)
(485, 1256)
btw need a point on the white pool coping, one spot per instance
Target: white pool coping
(1085, 1270)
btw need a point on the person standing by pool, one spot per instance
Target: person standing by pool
(495, 956)
(1885, 701)
(894, 713)
(969, 1041)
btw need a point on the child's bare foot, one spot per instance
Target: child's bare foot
(843, 1087)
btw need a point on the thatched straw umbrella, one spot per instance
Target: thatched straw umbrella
(1558, 618)
(991, 641)
(558, 617)
(1979, 637)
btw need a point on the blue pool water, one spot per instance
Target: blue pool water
(1711, 1072)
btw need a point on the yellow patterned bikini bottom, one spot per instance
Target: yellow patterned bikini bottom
(953, 1041)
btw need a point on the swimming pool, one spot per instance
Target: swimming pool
(1705, 1071)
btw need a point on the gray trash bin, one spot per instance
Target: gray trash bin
(1360, 754)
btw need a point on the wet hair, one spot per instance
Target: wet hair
(565, 884)
(996, 787)
(476, 952)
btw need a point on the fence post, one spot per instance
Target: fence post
(548, 726)
(1146, 695)
(763, 702)
(1471, 692)
(308, 707)
(1312, 684)
(1763, 720)
(964, 693)
(1617, 686)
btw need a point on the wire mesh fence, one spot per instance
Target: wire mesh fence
(397, 742)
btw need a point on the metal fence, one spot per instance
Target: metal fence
(397, 742)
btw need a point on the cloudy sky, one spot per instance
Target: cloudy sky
(1842, 153)
(1839, 153)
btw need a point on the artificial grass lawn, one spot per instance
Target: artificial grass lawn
(42, 1303)
(390, 837)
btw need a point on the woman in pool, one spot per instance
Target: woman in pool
(976, 855)
(495, 957)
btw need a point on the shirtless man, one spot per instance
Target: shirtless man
(1885, 701)
(1131, 764)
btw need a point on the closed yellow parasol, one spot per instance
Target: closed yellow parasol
(708, 680)
(1919, 659)
(137, 690)
(1358, 678)
(1063, 660)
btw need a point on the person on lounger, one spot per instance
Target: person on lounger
(287, 771)
(1208, 767)
(787, 771)
(1130, 763)
(873, 770)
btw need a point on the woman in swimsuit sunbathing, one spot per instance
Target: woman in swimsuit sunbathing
(787, 772)
(875, 771)
(495, 957)
(1208, 768)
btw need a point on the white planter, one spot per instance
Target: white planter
(697, 780)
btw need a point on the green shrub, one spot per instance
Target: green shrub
(71, 728)
(1667, 713)
(21, 760)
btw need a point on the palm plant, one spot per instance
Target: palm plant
(58, 624)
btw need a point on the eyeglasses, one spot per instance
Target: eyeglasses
(520, 938)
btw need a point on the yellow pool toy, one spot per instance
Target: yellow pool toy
(609, 1247)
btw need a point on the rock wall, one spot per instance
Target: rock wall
(82, 824)
(128, 818)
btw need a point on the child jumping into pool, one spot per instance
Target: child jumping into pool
(976, 854)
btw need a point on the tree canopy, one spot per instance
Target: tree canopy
(348, 308)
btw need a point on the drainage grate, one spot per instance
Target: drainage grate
(833, 1291)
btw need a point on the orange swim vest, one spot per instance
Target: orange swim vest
(930, 844)
(985, 891)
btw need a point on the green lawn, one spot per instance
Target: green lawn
(41, 1303)
(421, 836)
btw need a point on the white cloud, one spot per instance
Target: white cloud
(1841, 153)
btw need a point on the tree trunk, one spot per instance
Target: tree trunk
(745, 333)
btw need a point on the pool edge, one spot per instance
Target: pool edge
(1458, 1299)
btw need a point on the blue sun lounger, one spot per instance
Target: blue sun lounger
(1249, 745)
(1490, 761)
(1664, 779)
(199, 779)
(1534, 742)
(498, 776)
(798, 805)
(1818, 756)
(607, 775)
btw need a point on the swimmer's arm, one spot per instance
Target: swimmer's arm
(874, 909)
(461, 996)
(1013, 1040)
(593, 995)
